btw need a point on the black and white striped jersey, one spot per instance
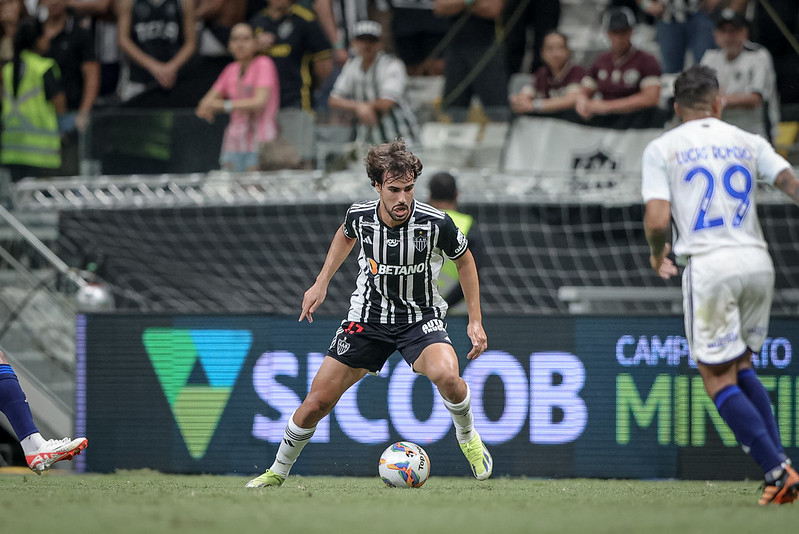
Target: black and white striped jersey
(399, 267)
(386, 78)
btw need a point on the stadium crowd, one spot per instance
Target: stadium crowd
(349, 62)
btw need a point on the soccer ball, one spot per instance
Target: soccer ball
(404, 465)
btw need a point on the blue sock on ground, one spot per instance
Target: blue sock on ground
(746, 423)
(14, 405)
(752, 387)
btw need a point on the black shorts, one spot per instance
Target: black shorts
(368, 345)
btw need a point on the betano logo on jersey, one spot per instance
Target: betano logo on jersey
(381, 268)
(197, 370)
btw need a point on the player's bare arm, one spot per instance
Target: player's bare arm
(657, 225)
(340, 248)
(788, 183)
(467, 274)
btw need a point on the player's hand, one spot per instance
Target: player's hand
(312, 299)
(662, 264)
(479, 341)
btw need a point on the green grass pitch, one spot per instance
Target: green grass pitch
(149, 502)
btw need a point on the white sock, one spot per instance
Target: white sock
(462, 417)
(32, 443)
(294, 440)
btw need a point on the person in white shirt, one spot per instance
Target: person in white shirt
(372, 85)
(699, 177)
(746, 75)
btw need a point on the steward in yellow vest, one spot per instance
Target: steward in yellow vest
(30, 127)
(444, 196)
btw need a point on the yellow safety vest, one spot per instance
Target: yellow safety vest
(448, 277)
(30, 127)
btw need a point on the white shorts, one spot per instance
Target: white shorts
(727, 298)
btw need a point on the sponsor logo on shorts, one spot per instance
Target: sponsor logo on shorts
(382, 269)
(352, 328)
(722, 341)
(433, 325)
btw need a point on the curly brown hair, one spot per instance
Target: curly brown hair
(391, 159)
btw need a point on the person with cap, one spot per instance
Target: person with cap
(444, 196)
(372, 86)
(626, 79)
(746, 76)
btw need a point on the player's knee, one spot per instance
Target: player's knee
(3, 358)
(318, 405)
(449, 384)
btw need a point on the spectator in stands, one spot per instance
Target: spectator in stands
(372, 86)
(626, 79)
(248, 89)
(32, 98)
(474, 64)
(72, 48)
(103, 13)
(290, 35)
(157, 38)
(11, 12)
(444, 196)
(556, 85)
(416, 32)
(336, 18)
(215, 21)
(335, 22)
(682, 25)
(746, 76)
(539, 17)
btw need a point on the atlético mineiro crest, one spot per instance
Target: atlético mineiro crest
(420, 242)
(342, 346)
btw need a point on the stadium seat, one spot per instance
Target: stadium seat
(449, 145)
(297, 126)
(424, 94)
(488, 153)
(785, 142)
(517, 81)
(333, 140)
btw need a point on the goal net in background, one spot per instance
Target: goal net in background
(227, 249)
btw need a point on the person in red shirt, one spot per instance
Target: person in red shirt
(626, 79)
(555, 86)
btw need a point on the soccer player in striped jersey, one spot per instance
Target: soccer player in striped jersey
(699, 177)
(395, 306)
